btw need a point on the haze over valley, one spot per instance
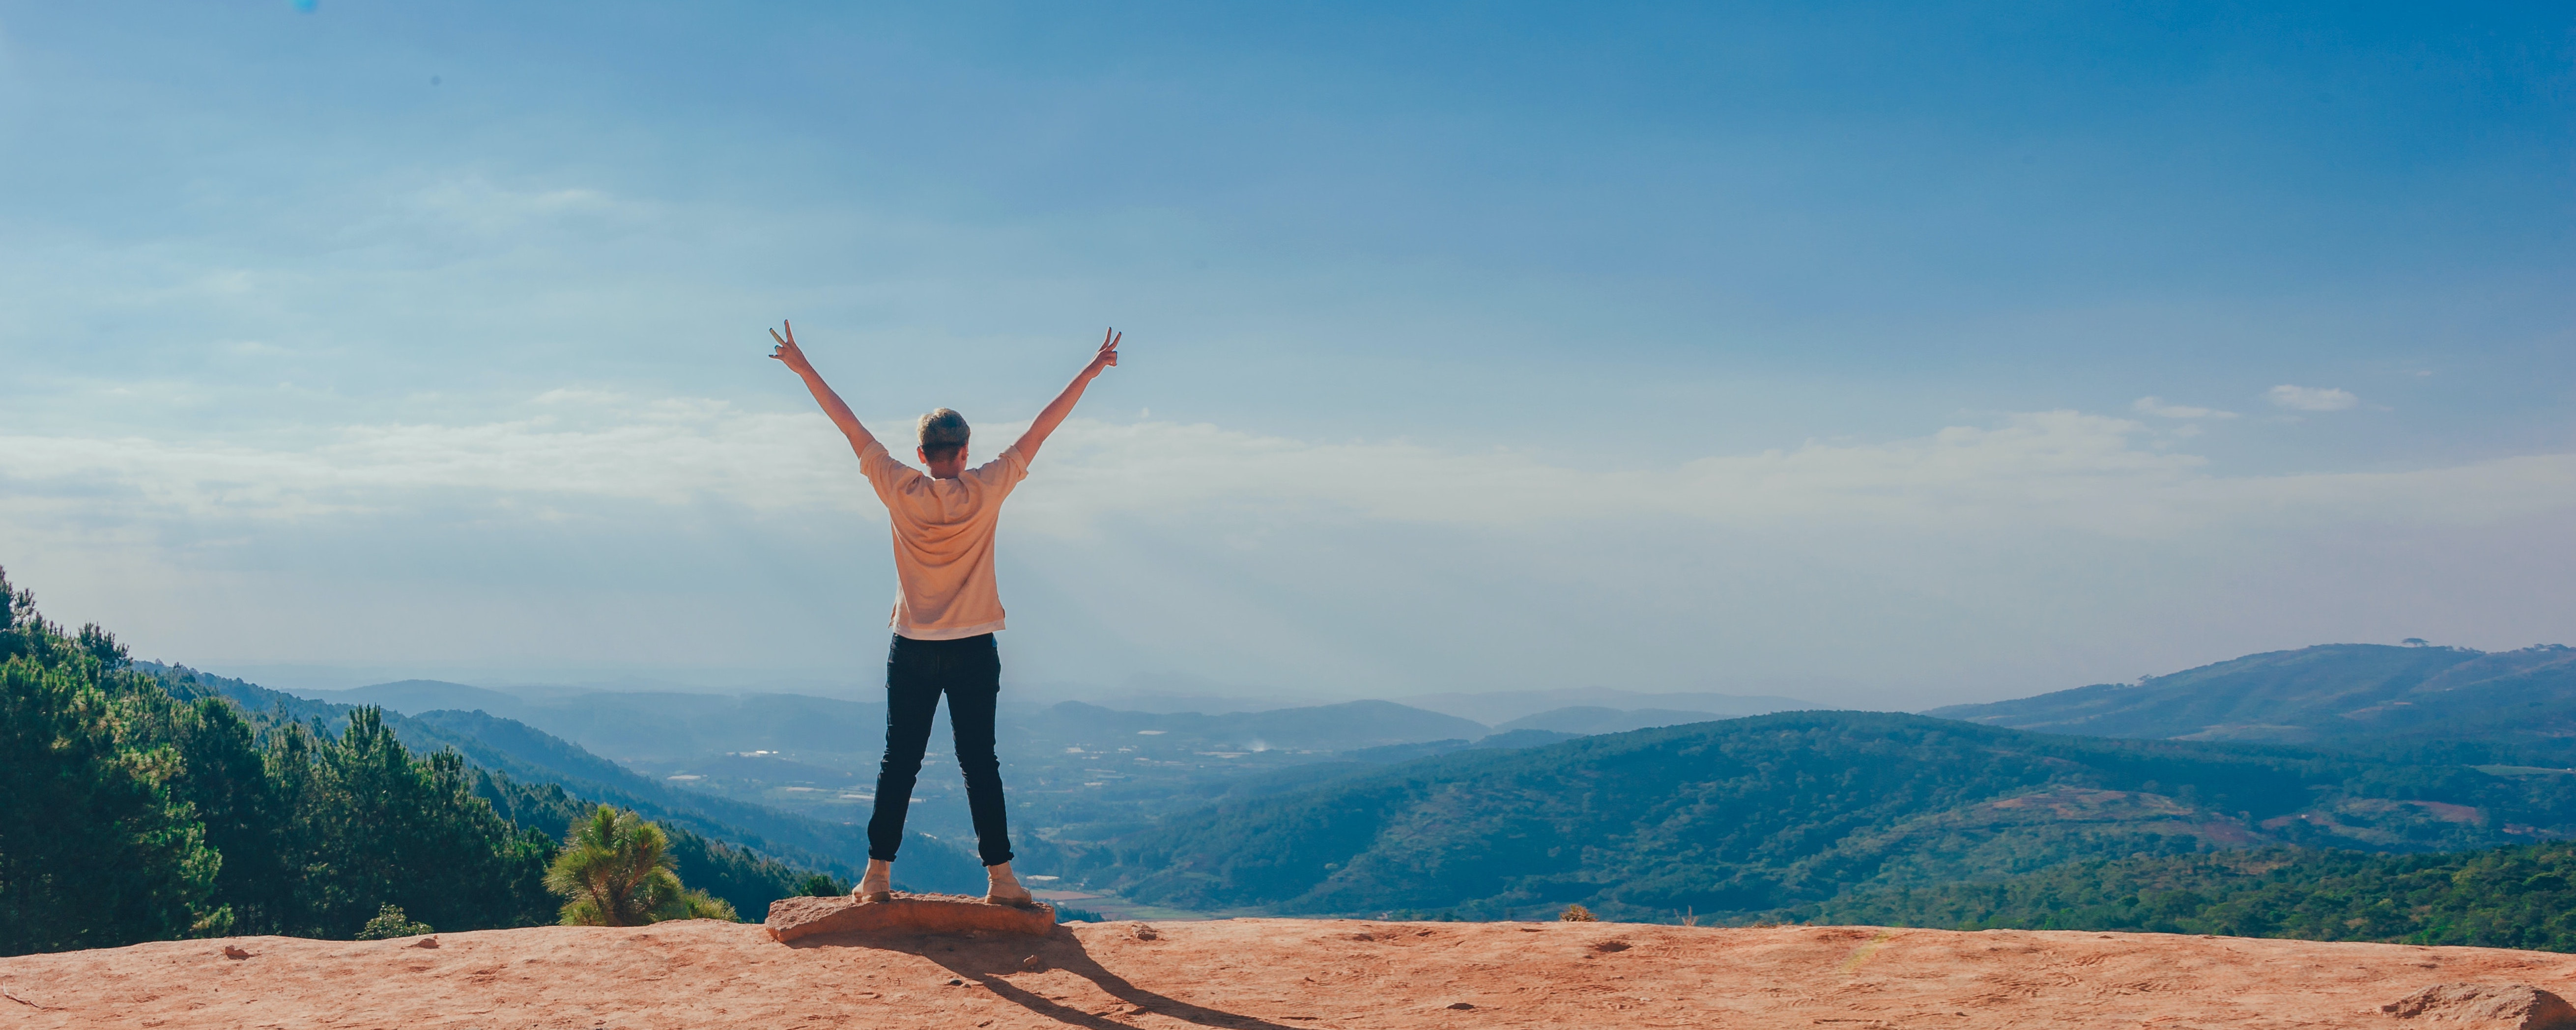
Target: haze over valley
(1160, 812)
(1737, 501)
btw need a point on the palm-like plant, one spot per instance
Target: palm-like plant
(617, 870)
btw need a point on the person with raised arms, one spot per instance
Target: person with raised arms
(946, 610)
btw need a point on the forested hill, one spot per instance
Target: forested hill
(2518, 897)
(1748, 815)
(129, 813)
(2511, 703)
(529, 755)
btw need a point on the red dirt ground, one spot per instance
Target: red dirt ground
(1260, 973)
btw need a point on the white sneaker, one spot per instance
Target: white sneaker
(1004, 888)
(877, 885)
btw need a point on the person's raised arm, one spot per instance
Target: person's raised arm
(1062, 405)
(794, 358)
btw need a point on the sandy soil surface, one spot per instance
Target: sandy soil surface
(1263, 973)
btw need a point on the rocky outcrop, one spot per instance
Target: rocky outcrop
(792, 918)
(1278, 974)
(2485, 1007)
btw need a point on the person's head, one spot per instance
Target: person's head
(943, 441)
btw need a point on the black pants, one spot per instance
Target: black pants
(969, 671)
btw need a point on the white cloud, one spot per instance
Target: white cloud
(2058, 468)
(2157, 407)
(664, 453)
(2311, 398)
(590, 526)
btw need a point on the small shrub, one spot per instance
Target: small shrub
(389, 923)
(1578, 914)
(697, 904)
(616, 869)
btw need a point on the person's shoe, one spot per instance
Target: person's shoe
(1004, 888)
(877, 885)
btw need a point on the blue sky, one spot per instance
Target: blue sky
(1892, 355)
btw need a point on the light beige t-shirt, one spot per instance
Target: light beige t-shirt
(943, 542)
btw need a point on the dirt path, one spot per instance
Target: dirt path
(1272, 974)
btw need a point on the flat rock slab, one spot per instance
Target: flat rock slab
(791, 918)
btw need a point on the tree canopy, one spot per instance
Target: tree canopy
(133, 808)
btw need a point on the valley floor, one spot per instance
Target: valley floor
(1258, 973)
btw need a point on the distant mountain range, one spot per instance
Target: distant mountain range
(1747, 815)
(629, 726)
(1637, 805)
(2338, 695)
(1076, 770)
(1504, 709)
(668, 726)
(1322, 728)
(1587, 720)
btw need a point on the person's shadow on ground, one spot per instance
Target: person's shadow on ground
(988, 960)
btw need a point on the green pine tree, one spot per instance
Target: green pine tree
(616, 869)
(99, 845)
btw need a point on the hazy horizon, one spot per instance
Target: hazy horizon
(1913, 354)
(1148, 695)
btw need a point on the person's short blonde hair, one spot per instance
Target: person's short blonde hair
(943, 434)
